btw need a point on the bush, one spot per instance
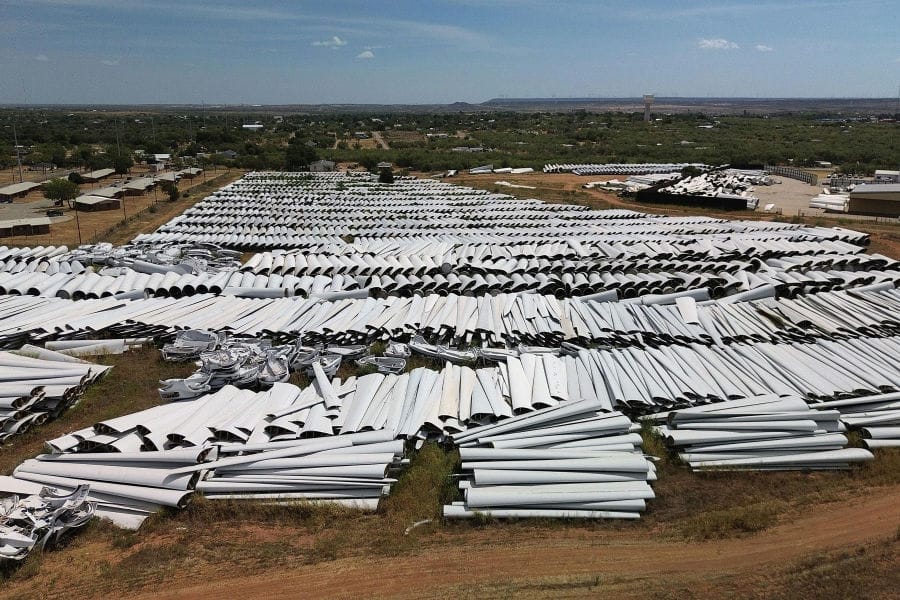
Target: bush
(170, 189)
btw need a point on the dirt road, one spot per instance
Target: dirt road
(577, 562)
(376, 135)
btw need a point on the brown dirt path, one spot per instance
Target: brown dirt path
(620, 561)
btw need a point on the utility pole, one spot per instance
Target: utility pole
(18, 154)
(77, 223)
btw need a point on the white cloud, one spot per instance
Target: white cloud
(334, 42)
(716, 44)
(763, 48)
(110, 63)
(366, 54)
(41, 58)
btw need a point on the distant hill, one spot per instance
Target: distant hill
(707, 105)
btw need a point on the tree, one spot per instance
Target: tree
(298, 156)
(192, 149)
(170, 189)
(61, 190)
(122, 163)
(51, 153)
(84, 154)
(76, 178)
(99, 161)
(386, 175)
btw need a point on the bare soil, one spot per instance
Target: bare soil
(487, 563)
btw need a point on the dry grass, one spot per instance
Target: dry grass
(731, 522)
(869, 571)
(129, 387)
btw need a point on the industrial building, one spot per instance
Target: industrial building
(89, 203)
(17, 190)
(886, 176)
(138, 186)
(879, 199)
(321, 166)
(190, 172)
(110, 191)
(98, 175)
(30, 226)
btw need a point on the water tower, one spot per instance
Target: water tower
(648, 101)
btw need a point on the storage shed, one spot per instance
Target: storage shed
(30, 226)
(17, 190)
(879, 199)
(89, 203)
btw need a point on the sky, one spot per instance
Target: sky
(441, 51)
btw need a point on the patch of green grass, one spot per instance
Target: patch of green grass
(419, 360)
(425, 486)
(655, 445)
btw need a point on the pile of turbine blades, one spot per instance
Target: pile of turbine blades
(431, 404)
(293, 211)
(620, 168)
(158, 456)
(188, 258)
(876, 417)
(643, 381)
(575, 460)
(34, 517)
(760, 433)
(37, 385)
(128, 484)
(507, 319)
(225, 360)
(507, 245)
(727, 280)
(587, 319)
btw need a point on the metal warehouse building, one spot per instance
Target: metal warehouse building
(882, 199)
(17, 190)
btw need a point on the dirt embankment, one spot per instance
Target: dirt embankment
(581, 564)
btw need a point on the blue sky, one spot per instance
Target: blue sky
(441, 51)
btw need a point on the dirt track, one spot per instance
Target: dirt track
(537, 565)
